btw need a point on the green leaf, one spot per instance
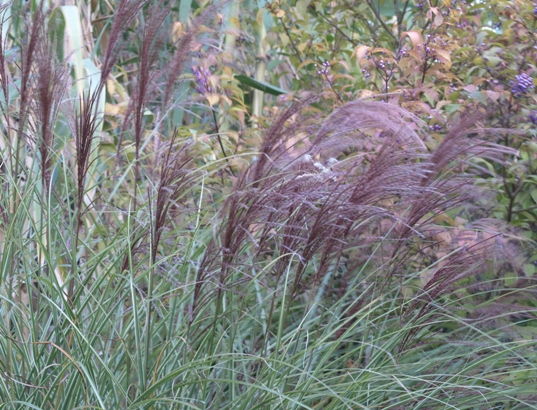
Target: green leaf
(67, 29)
(5, 17)
(302, 6)
(533, 194)
(478, 96)
(272, 64)
(530, 269)
(259, 85)
(184, 10)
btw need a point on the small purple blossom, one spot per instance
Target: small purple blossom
(325, 70)
(202, 79)
(533, 117)
(452, 88)
(523, 83)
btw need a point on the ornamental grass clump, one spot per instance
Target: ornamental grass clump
(341, 260)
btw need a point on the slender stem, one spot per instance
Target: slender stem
(379, 18)
(531, 208)
(217, 131)
(291, 41)
(350, 40)
(334, 90)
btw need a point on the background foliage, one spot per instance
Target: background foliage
(251, 204)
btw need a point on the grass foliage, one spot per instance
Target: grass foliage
(147, 263)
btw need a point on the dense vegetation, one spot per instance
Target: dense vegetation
(254, 205)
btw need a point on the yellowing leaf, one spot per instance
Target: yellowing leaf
(234, 22)
(234, 135)
(414, 36)
(110, 87)
(443, 218)
(366, 94)
(470, 88)
(305, 63)
(360, 52)
(416, 107)
(111, 109)
(384, 51)
(177, 31)
(302, 46)
(466, 237)
(438, 18)
(444, 57)
(493, 95)
(212, 99)
(280, 13)
(226, 99)
(443, 237)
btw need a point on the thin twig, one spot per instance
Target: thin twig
(377, 15)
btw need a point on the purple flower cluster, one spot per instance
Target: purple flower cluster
(365, 73)
(435, 127)
(452, 88)
(535, 8)
(533, 117)
(523, 83)
(324, 70)
(202, 79)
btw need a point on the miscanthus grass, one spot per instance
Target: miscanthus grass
(315, 274)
